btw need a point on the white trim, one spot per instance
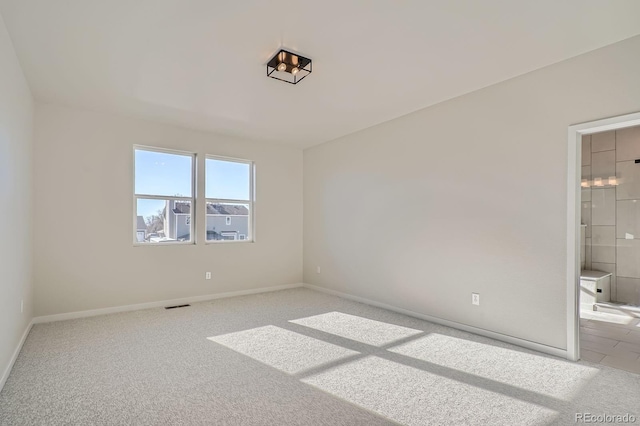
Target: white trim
(574, 172)
(14, 357)
(228, 159)
(574, 167)
(165, 243)
(251, 234)
(475, 330)
(159, 304)
(164, 198)
(611, 123)
(228, 201)
(162, 150)
(214, 242)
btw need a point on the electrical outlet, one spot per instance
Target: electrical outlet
(318, 270)
(207, 276)
(22, 306)
(475, 298)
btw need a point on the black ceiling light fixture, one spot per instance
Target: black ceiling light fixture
(289, 67)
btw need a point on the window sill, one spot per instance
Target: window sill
(165, 244)
(214, 242)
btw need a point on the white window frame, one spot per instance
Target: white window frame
(192, 199)
(250, 237)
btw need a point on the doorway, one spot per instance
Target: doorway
(602, 204)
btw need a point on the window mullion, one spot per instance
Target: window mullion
(227, 201)
(162, 197)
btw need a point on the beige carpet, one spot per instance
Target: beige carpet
(295, 357)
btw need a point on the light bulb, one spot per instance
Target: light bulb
(282, 66)
(295, 70)
(597, 182)
(584, 183)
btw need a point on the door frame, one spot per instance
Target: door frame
(574, 172)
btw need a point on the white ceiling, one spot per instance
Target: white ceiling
(201, 63)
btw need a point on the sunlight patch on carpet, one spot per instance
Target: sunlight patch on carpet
(542, 374)
(371, 332)
(412, 396)
(283, 349)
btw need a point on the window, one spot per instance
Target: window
(163, 196)
(229, 196)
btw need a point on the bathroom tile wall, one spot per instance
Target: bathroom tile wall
(586, 198)
(611, 209)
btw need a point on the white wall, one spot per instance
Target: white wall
(83, 170)
(476, 187)
(16, 124)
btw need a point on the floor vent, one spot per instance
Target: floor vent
(177, 306)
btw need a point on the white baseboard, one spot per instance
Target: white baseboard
(158, 304)
(475, 330)
(14, 357)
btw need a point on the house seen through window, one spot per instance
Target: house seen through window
(163, 196)
(229, 198)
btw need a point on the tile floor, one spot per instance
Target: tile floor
(610, 339)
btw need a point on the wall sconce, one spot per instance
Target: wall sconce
(597, 182)
(584, 183)
(288, 67)
(613, 180)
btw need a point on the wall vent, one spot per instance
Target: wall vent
(177, 306)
